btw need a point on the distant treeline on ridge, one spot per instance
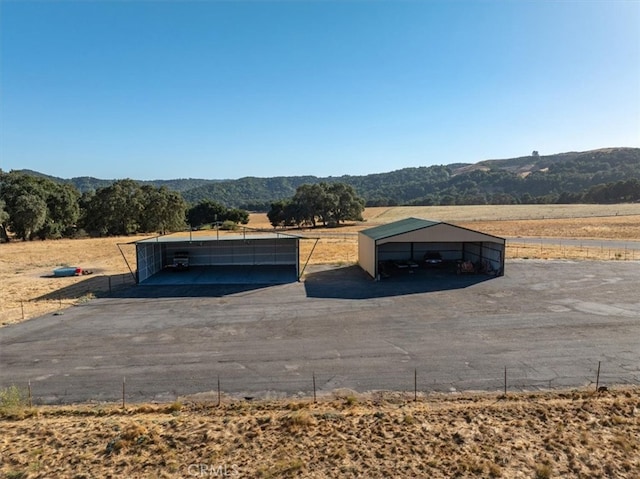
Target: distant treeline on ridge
(609, 175)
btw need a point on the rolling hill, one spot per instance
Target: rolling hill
(537, 178)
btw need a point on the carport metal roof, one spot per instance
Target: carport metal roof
(190, 237)
(211, 238)
(409, 225)
(397, 227)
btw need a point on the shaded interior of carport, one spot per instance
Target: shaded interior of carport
(223, 259)
(413, 239)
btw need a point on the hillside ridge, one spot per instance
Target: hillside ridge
(487, 181)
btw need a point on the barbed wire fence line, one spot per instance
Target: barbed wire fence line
(214, 389)
(56, 302)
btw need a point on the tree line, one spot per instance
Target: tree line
(33, 207)
(529, 179)
(328, 203)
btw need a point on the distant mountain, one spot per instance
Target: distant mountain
(535, 178)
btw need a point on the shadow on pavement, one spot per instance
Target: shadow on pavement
(186, 291)
(353, 283)
(98, 285)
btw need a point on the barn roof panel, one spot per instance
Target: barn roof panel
(398, 227)
(409, 225)
(208, 238)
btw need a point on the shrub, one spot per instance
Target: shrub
(543, 471)
(229, 226)
(298, 419)
(13, 403)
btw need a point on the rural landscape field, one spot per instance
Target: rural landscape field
(578, 433)
(29, 290)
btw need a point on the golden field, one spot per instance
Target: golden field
(573, 434)
(563, 434)
(28, 290)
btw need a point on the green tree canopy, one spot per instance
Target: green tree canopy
(4, 217)
(329, 203)
(61, 209)
(163, 210)
(29, 214)
(115, 210)
(125, 208)
(209, 212)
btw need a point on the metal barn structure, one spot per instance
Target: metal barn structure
(269, 258)
(413, 239)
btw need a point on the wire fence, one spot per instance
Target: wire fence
(87, 288)
(410, 384)
(586, 251)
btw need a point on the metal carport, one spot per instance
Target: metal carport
(265, 258)
(410, 239)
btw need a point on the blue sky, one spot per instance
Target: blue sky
(227, 89)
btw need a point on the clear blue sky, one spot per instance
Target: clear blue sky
(226, 89)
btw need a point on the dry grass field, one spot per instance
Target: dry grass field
(28, 289)
(571, 434)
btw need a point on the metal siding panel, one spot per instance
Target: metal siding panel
(394, 251)
(367, 254)
(450, 251)
(148, 259)
(281, 251)
(440, 233)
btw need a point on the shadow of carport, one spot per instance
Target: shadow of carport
(225, 275)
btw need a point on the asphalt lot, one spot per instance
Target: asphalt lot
(548, 322)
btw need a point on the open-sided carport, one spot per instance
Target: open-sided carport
(412, 239)
(270, 258)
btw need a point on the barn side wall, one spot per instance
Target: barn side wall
(367, 254)
(281, 251)
(148, 260)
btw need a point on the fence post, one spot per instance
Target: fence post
(598, 377)
(124, 379)
(314, 386)
(22, 307)
(30, 396)
(218, 390)
(505, 381)
(415, 384)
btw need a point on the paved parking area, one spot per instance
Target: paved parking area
(548, 322)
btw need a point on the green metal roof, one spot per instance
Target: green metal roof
(398, 227)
